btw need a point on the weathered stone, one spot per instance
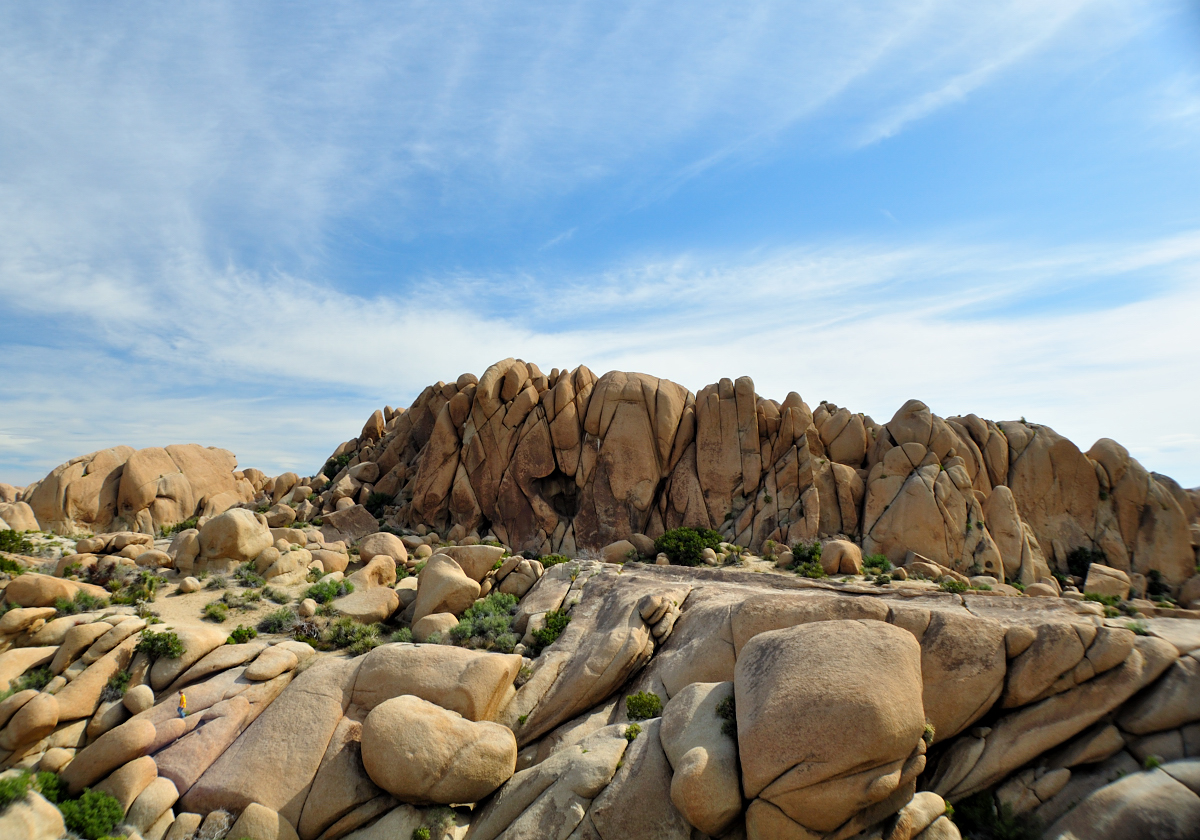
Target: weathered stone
(705, 786)
(108, 752)
(472, 683)
(257, 822)
(443, 587)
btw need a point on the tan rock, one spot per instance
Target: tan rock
(22, 618)
(443, 587)
(15, 662)
(845, 557)
(235, 536)
(352, 523)
(963, 661)
(341, 784)
(128, 781)
(151, 804)
(33, 818)
(81, 696)
(472, 683)
(198, 641)
(19, 516)
(187, 759)
(55, 759)
(1105, 580)
(331, 561)
(368, 606)
(705, 786)
(420, 752)
(379, 571)
(307, 608)
(385, 544)
(108, 752)
(37, 590)
(1171, 702)
(257, 822)
(36, 719)
(441, 623)
(850, 692)
(10, 705)
(184, 827)
(271, 663)
(1140, 805)
(220, 658)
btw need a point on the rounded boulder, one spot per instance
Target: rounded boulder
(422, 753)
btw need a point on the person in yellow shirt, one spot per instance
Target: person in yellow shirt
(182, 704)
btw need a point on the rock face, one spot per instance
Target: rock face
(564, 461)
(234, 537)
(143, 490)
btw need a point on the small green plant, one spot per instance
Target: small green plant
(276, 596)
(684, 545)
(82, 602)
(185, 525)
(877, 561)
(1152, 762)
(421, 833)
(164, 645)
(402, 636)
(487, 624)
(884, 580)
(727, 712)
(643, 705)
(348, 633)
(280, 621)
(142, 587)
(978, 817)
(10, 566)
(116, 686)
(325, 591)
(928, 735)
(553, 560)
(810, 569)
(48, 785)
(1107, 600)
(1078, 560)
(1137, 627)
(376, 502)
(241, 635)
(335, 465)
(981, 587)
(806, 552)
(217, 582)
(216, 611)
(248, 577)
(37, 679)
(14, 788)
(14, 542)
(951, 585)
(556, 623)
(632, 731)
(1156, 587)
(521, 720)
(93, 815)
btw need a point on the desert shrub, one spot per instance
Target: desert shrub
(810, 569)
(1078, 560)
(403, 635)
(1156, 587)
(241, 635)
(93, 815)
(1152, 762)
(82, 602)
(48, 785)
(884, 580)
(683, 545)
(928, 735)
(36, 679)
(348, 633)
(8, 565)
(978, 817)
(281, 621)
(556, 623)
(217, 611)
(160, 645)
(248, 577)
(421, 833)
(553, 560)
(325, 591)
(807, 552)
(951, 585)
(185, 525)
(643, 705)
(116, 686)
(1137, 628)
(632, 731)
(141, 587)
(335, 465)
(14, 789)
(877, 561)
(376, 502)
(727, 712)
(276, 596)
(15, 542)
(487, 624)
(1107, 600)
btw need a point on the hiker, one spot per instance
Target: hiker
(182, 704)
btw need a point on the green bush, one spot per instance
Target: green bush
(877, 561)
(185, 525)
(217, 611)
(1156, 587)
(403, 635)
(1107, 600)
(10, 566)
(884, 580)
(1078, 560)
(335, 465)
(978, 817)
(556, 623)
(164, 645)
(248, 577)
(15, 542)
(241, 635)
(92, 815)
(348, 633)
(82, 602)
(683, 545)
(421, 833)
(810, 569)
(376, 502)
(141, 587)
(37, 679)
(48, 785)
(727, 712)
(1137, 628)
(14, 788)
(632, 731)
(280, 621)
(276, 596)
(553, 560)
(116, 686)
(1152, 762)
(325, 591)
(806, 552)
(487, 624)
(643, 705)
(951, 585)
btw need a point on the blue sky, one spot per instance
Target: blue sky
(249, 225)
